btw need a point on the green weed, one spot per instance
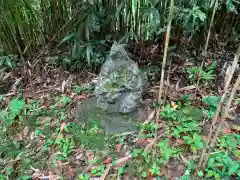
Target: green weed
(196, 143)
(220, 166)
(85, 89)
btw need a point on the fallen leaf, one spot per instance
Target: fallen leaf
(220, 91)
(83, 96)
(226, 131)
(209, 62)
(144, 141)
(6, 101)
(173, 105)
(119, 162)
(72, 95)
(28, 101)
(89, 156)
(41, 143)
(79, 155)
(179, 142)
(62, 126)
(25, 131)
(118, 147)
(108, 160)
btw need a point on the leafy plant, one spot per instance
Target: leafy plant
(66, 145)
(212, 102)
(220, 165)
(97, 171)
(195, 142)
(83, 176)
(166, 151)
(205, 76)
(6, 61)
(185, 128)
(229, 143)
(155, 170)
(20, 28)
(16, 107)
(169, 112)
(194, 18)
(84, 89)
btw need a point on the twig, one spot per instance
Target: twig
(187, 88)
(17, 82)
(150, 145)
(105, 173)
(150, 117)
(9, 94)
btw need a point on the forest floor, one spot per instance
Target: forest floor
(41, 140)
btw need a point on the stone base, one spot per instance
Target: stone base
(87, 112)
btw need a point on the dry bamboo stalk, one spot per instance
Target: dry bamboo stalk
(236, 85)
(210, 27)
(206, 44)
(165, 51)
(219, 106)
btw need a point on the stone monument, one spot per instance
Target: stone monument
(120, 84)
(117, 93)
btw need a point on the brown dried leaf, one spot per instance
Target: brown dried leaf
(25, 131)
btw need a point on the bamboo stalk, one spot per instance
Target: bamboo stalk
(206, 45)
(229, 78)
(165, 51)
(210, 26)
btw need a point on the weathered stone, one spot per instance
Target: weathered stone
(120, 83)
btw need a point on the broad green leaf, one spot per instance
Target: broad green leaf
(26, 177)
(232, 168)
(167, 153)
(2, 177)
(211, 100)
(211, 161)
(144, 174)
(16, 106)
(200, 173)
(8, 62)
(136, 152)
(6, 117)
(213, 66)
(227, 160)
(120, 171)
(188, 139)
(210, 173)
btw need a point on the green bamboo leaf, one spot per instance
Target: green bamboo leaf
(67, 38)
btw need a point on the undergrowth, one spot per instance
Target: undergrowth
(37, 136)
